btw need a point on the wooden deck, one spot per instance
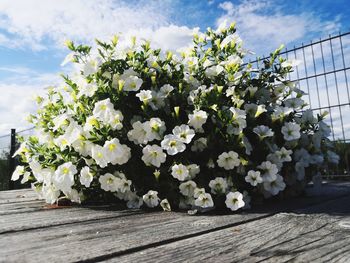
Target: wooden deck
(314, 228)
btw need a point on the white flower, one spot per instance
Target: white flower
(115, 152)
(154, 128)
(254, 178)
(134, 201)
(17, 173)
(172, 144)
(108, 182)
(193, 170)
(197, 119)
(132, 83)
(294, 103)
(284, 154)
(308, 117)
(153, 155)
(204, 200)
(115, 120)
(234, 201)
(324, 128)
(218, 185)
(165, 205)
(64, 176)
(103, 110)
(157, 100)
(291, 131)
(91, 66)
(151, 199)
(187, 188)
(166, 90)
(99, 154)
(275, 186)
(86, 176)
(263, 131)
(199, 145)
(198, 191)
(138, 133)
(184, 133)
(180, 172)
(144, 96)
(50, 193)
(269, 171)
(228, 160)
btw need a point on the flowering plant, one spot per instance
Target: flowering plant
(195, 130)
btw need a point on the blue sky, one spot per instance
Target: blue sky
(32, 33)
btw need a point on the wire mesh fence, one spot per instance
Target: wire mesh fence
(323, 72)
(8, 145)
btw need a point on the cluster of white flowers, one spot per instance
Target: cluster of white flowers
(194, 130)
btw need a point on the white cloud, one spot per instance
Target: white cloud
(36, 23)
(264, 27)
(16, 100)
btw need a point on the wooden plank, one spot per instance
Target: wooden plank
(17, 196)
(28, 215)
(319, 234)
(73, 230)
(96, 238)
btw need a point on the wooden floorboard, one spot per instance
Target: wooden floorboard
(30, 230)
(321, 234)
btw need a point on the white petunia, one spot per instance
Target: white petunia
(284, 154)
(294, 103)
(165, 205)
(234, 201)
(50, 193)
(19, 171)
(269, 171)
(86, 176)
(91, 66)
(275, 186)
(184, 133)
(99, 154)
(187, 188)
(144, 96)
(172, 144)
(134, 201)
(204, 201)
(64, 176)
(132, 83)
(108, 182)
(115, 120)
(153, 155)
(154, 128)
(263, 131)
(218, 185)
(197, 119)
(199, 145)
(138, 133)
(291, 131)
(103, 110)
(193, 170)
(228, 160)
(179, 172)
(151, 199)
(166, 90)
(254, 178)
(113, 150)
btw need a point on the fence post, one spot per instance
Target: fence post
(11, 159)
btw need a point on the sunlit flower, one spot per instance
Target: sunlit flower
(228, 160)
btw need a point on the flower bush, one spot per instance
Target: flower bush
(196, 130)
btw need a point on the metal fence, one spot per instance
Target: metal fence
(8, 146)
(324, 74)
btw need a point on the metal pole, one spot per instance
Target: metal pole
(12, 163)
